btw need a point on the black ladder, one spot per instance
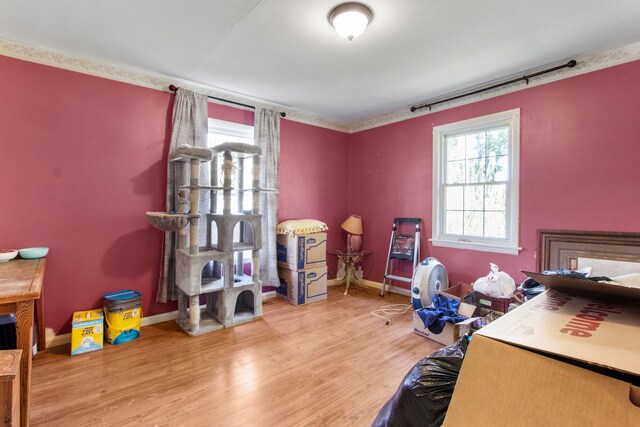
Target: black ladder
(401, 247)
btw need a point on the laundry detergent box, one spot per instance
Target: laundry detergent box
(302, 252)
(87, 331)
(302, 286)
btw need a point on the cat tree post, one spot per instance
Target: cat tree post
(194, 203)
(227, 169)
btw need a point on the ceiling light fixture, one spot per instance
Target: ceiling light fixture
(350, 19)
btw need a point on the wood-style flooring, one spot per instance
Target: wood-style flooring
(330, 363)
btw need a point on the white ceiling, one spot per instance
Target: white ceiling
(285, 51)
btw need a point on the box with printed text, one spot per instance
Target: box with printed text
(302, 252)
(302, 286)
(578, 342)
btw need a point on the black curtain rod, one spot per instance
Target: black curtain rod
(174, 88)
(526, 78)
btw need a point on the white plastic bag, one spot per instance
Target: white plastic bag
(497, 284)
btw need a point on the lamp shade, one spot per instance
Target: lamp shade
(353, 225)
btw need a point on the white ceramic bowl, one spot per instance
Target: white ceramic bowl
(8, 255)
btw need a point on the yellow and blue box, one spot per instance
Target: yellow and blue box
(87, 331)
(123, 314)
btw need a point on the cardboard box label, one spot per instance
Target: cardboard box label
(585, 328)
(302, 286)
(302, 252)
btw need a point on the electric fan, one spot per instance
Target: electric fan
(429, 277)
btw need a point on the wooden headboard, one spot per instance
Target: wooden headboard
(565, 248)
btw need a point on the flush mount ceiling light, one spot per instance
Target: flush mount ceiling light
(350, 19)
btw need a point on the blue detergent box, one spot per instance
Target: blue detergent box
(300, 287)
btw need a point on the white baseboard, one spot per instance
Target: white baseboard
(268, 295)
(54, 340)
(375, 285)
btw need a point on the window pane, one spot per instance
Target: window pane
(494, 224)
(454, 198)
(475, 145)
(455, 172)
(474, 198)
(455, 147)
(473, 223)
(453, 222)
(495, 197)
(497, 169)
(476, 170)
(497, 141)
(476, 189)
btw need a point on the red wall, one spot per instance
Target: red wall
(82, 158)
(314, 176)
(579, 168)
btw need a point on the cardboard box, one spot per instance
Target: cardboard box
(458, 291)
(570, 358)
(87, 331)
(302, 286)
(451, 333)
(302, 252)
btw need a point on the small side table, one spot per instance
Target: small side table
(351, 261)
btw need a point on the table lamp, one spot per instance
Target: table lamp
(353, 226)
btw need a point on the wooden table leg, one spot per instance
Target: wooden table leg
(42, 338)
(24, 338)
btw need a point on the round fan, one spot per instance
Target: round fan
(429, 277)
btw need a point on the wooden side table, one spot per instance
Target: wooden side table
(351, 261)
(20, 291)
(10, 387)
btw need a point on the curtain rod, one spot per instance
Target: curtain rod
(526, 78)
(174, 88)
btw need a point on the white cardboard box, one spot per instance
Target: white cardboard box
(576, 355)
(451, 333)
(302, 286)
(302, 252)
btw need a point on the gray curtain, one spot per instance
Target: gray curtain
(189, 127)
(267, 137)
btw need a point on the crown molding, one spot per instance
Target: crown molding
(40, 55)
(144, 78)
(586, 63)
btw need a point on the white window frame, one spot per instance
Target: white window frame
(231, 129)
(509, 245)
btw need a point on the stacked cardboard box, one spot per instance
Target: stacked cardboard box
(302, 267)
(569, 357)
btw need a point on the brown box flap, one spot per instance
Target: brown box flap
(584, 328)
(585, 286)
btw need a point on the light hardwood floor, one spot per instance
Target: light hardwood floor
(328, 363)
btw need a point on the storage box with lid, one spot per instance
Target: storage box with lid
(302, 244)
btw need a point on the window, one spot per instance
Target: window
(475, 183)
(221, 131)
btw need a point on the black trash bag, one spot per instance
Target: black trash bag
(424, 395)
(531, 288)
